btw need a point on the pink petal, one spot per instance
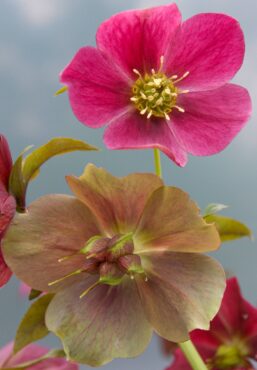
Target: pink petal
(24, 290)
(107, 323)
(54, 226)
(249, 326)
(171, 221)
(179, 362)
(132, 131)
(209, 46)
(30, 353)
(5, 162)
(183, 292)
(117, 203)
(7, 210)
(5, 272)
(211, 119)
(138, 38)
(98, 90)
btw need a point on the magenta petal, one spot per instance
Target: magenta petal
(5, 272)
(132, 131)
(7, 210)
(30, 353)
(209, 46)
(5, 162)
(138, 38)
(97, 89)
(211, 119)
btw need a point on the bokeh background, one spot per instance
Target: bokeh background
(37, 39)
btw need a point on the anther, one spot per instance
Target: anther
(137, 72)
(184, 91)
(143, 95)
(134, 98)
(149, 115)
(161, 63)
(167, 116)
(180, 109)
(153, 71)
(182, 78)
(143, 111)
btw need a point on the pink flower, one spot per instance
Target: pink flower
(7, 203)
(123, 257)
(161, 83)
(231, 342)
(30, 353)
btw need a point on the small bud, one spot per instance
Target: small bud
(131, 264)
(120, 246)
(110, 274)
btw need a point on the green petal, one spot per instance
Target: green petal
(32, 326)
(183, 292)
(228, 228)
(171, 221)
(53, 227)
(109, 322)
(116, 202)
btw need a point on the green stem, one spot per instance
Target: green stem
(157, 162)
(188, 348)
(192, 356)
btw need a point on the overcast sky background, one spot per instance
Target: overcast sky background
(37, 39)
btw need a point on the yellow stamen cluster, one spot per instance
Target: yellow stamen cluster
(155, 94)
(230, 356)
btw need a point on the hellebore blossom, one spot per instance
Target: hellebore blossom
(162, 83)
(31, 353)
(7, 203)
(231, 342)
(123, 257)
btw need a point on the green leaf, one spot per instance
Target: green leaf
(16, 181)
(55, 353)
(34, 294)
(228, 228)
(25, 170)
(32, 326)
(56, 146)
(213, 208)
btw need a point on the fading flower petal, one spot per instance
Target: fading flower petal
(167, 293)
(212, 119)
(97, 89)
(53, 227)
(132, 131)
(5, 272)
(138, 38)
(171, 221)
(209, 46)
(5, 163)
(108, 323)
(117, 202)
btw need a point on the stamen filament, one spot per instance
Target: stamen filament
(89, 289)
(180, 109)
(182, 78)
(77, 272)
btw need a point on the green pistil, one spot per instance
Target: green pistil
(229, 356)
(154, 95)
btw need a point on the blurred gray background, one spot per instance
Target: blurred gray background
(37, 39)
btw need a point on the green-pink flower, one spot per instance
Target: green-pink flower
(134, 263)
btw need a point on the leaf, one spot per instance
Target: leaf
(56, 146)
(228, 228)
(55, 353)
(25, 170)
(34, 294)
(32, 326)
(214, 208)
(16, 181)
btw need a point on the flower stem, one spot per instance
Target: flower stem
(157, 162)
(192, 356)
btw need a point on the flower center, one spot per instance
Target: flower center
(110, 258)
(229, 356)
(155, 94)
